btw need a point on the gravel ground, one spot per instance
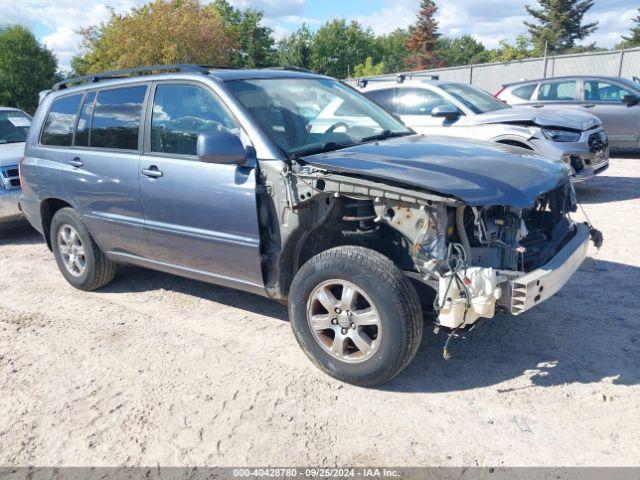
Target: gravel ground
(159, 370)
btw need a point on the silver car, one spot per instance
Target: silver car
(614, 100)
(14, 126)
(434, 107)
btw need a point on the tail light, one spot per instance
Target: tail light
(20, 170)
(497, 95)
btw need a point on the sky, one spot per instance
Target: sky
(55, 21)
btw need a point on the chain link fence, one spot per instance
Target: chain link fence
(491, 76)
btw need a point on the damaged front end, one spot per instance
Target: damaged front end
(477, 259)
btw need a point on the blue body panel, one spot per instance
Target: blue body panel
(478, 173)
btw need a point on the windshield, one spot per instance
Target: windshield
(14, 126)
(478, 101)
(307, 115)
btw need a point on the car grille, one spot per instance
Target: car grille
(9, 177)
(598, 141)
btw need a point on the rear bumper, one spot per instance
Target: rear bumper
(527, 291)
(10, 210)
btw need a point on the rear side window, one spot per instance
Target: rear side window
(116, 118)
(58, 128)
(524, 92)
(84, 121)
(558, 91)
(598, 91)
(384, 98)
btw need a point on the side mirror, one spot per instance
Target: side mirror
(448, 112)
(630, 100)
(221, 147)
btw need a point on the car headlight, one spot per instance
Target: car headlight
(561, 135)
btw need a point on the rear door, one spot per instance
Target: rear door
(199, 217)
(603, 98)
(564, 93)
(96, 163)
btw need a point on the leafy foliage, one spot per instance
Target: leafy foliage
(464, 50)
(559, 24)
(338, 46)
(160, 32)
(296, 49)
(509, 52)
(633, 40)
(26, 68)
(368, 69)
(393, 50)
(423, 39)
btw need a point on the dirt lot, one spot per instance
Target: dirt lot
(158, 370)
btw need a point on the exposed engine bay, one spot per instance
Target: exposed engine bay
(471, 257)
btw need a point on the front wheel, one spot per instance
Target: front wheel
(355, 315)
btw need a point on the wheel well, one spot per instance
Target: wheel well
(515, 143)
(48, 209)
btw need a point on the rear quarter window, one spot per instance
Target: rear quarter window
(60, 122)
(524, 92)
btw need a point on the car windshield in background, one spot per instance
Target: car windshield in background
(478, 101)
(14, 126)
(306, 115)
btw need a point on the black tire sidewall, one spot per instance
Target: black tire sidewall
(67, 216)
(386, 298)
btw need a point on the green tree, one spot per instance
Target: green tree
(296, 49)
(256, 46)
(633, 40)
(509, 52)
(464, 50)
(160, 32)
(368, 69)
(559, 24)
(26, 68)
(423, 39)
(393, 50)
(339, 46)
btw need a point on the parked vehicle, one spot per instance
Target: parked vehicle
(614, 100)
(217, 175)
(435, 107)
(14, 125)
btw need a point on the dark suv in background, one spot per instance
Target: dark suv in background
(219, 175)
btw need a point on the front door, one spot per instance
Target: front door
(621, 121)
(199, 217)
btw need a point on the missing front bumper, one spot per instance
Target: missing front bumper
(535, 287)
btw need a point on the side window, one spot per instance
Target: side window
(524, 92)
(116, 118)
(181, 113)
(58, 128)
(558, 91)
(597, 91)
(384, 98)
(418, 101)
(84, 121)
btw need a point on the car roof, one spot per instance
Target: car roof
(9, 109)
(565, 77)
(414, 82)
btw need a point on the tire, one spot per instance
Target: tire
(381, 285)
(97, 270)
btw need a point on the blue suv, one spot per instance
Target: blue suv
(360, 225)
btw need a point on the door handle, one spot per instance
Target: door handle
(152, 172)
(537, 105)
(76, 162)
(591, 105)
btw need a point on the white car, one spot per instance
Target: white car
(14, 126)
(438, 107)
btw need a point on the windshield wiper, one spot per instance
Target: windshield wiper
(384, 135)
(325, 147)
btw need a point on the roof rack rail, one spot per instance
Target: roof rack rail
(204, 69)
(291, 68)
(399, 78)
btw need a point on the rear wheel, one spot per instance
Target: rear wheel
(79, 258)
(355, 315)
